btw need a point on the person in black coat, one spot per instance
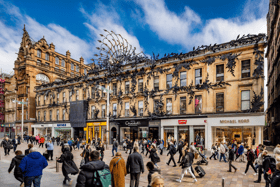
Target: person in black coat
(87, 170)
(171, 152)
(15, 142)
(101, 149)
(130, 146)
(186, 164)
(14, 164)
(57, 140)
(179, 149)
(266, 167)
(275, 180)
(151, 168)
(68, 165)
(27, 151)
(134, 166)
(153, 154)
(7, 144)
(231, 159)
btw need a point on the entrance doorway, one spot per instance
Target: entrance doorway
(113, 133)
(153, 133)
(133, 133)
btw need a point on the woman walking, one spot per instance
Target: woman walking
(161, 147)
(17, 171)
(78, 143)
(68, 165)
(86, 153)
(154, 155)
(101, 149)
(118, 171)
(250, 161)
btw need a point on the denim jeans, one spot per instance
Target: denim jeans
(35, 180)
(114, 148)
(222, 156)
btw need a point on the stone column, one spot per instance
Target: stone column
(191, 133)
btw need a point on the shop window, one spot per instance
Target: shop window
(63, 114)
(47, 56)
(168, 81)
(63, 63)
(57, 60)
(92, 112)
(156, 83)
(140, 108)
(245, 100)
(198, 76)
(77, 68)
(57, 114)
(72, 66)
(126, 109)
(140, 85)
(183, 78)
(92, 92)
(39, 53)
(103, 111)
(220, 72)
(50, 115)
(45, 114)
(115, 109)
(219, 102)
(183, 105)
(155, 104)
(126, 87)
(169, 106)
(198, 104)
(57, 98)
(64, 98)
(199, 134)
(115, 89)
(77, 95)
(184, 133)
(245, 71)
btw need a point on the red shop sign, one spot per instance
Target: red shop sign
(182, 121)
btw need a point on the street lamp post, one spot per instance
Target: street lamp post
(22, 114)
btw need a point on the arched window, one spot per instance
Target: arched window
(72, 66)
(42, 78)
(56, 60)
(39, 53)
(47, 56)
(63, 63)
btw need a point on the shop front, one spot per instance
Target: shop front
(8, 130)
(154, 129)
(246, 129)
(43, 130)
(95, 130)
(63, 130)
(189, 130)
(25, 129)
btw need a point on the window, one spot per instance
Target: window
(115, 89)
(126, 109)
(220, 72)
(245, 71)
(245, 100)
(72, 66)
(92, 92)
(198, 104)
(45, 113)
(126, 87)
(70, 96)
(169, 106)
(50, 115)
(47, 64)
(92, 112)
(140, 85)
(198, 76)
(183, 105)
(85, 71)
(39, 116)
(57, 60)
(47, 56)
(39, 100)
(219, 102)
(103, 111)
(45, 98)
(155, 104)
(183, 78)
(77, 95)
(63, 114)
(156, 83)
(63, 63)
(57, 114)
(51, 96)
(77, 68)
(57, 98)
(140, 108)
(168, 81)
(39, 53)
(103, 92)
(115, 109)
(64, 99)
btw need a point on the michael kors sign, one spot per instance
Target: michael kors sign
(235, 121)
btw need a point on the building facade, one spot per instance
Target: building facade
(272, 130)
(211, 94)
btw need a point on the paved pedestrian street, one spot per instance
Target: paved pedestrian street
(215, 171)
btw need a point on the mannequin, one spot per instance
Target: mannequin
(249, 141)
(224, 138)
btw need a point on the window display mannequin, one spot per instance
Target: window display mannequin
(224, 138)
(249, 141)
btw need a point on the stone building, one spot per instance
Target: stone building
(272, 130)
(38, 63)
(211, 94)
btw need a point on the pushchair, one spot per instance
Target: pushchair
(203, 159)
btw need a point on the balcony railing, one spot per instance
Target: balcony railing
(40, 64)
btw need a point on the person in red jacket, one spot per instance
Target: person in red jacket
(42, 141)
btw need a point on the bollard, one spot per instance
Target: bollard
(223, 182)
(57, 165)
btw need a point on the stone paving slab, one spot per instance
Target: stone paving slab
(215, 171)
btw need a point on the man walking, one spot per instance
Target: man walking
(172, 152)
(115, 147)
(260, 165)
(231, 159)
(32, 166)
(135, 166)
(179, 149)
(6, 143)
(15, 142)
(50, 149)
(222, 151)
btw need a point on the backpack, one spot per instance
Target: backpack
(272, 163)
(173, 150)
(102, 178)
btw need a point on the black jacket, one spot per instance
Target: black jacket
(101, 149)
(26, 152)
(68, 166)
(266, 163)
(154, 157)
(87, 171)
(275, 181)
(150, 175)
(129, 145)
(171, 147)
(15, 163)
(6, 144)
(14, 142)
(180, 147)
(134, 163)
(187, 160)
(231, 155)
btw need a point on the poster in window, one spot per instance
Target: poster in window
(198, 104)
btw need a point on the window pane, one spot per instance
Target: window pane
(245, 95)
(220, 102)
(245, 105)
(198, 104)
(183, 75)
(198, 73)
(169, 106)
(169, 77)
(245, 68)
(183, 105)
(156, 79)
(126, 105)
(140, 104)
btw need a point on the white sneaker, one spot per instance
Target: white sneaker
(244, 173)
(194, 180)
(178, 180)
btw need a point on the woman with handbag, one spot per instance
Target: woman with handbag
(118, 171)
(154, 155)
(68, 165)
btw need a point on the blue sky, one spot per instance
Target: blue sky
(150, 25)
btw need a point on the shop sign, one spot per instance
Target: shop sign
(132, 123)
(182, 121)
(61, 125)
(235, 121)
